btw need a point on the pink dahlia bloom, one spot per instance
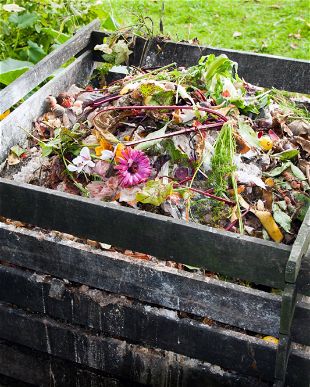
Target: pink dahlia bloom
(133, 167)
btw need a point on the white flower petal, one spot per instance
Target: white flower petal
(85, 153)
(72, 168)
(106, 155)
(78, 160)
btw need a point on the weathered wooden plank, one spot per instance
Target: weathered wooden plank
(117, 316)
(146, 281)
(10, 382)
(43, 69)
(253, 259)
(130, 361)
(39, 369)
(12, 127)
(260, 69)
(299, 249)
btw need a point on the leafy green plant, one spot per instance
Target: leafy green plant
(32, 29)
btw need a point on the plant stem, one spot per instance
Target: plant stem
(209, 195)
(176, 133)
(150, 73)
(162, 107)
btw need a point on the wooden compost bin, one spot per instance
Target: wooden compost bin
(72, 315)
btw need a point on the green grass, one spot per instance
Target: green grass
(265, 25)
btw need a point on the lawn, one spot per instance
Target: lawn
(268, 26)
(31, 29)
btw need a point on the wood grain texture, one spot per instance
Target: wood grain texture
(12, 127)
(299, 250)
(39, 369)
(145, 281)
(132, 362)
(10, 95)
(248, 258)
(116, 316)
(259, 69)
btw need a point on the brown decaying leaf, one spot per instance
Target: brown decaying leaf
(305, 144)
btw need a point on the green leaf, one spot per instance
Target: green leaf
(281, 217)
(154, 192)
(60, 37)
(17, 150)
(110, 24)
(248, 134)
(304, 204)
(34, 53)
(150, 137)
(175, 154)
(297, 172)
(10, 69)
(23, 20)
(286, 155)
(277, 171)
(46, 150)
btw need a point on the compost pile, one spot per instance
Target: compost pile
(197, 144)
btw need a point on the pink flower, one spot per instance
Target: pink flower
(101, 168)
(103, 190)
(133, 167)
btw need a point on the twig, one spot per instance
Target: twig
(209, 195)
(176, 133)
(163, 107)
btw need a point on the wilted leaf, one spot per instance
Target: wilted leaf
(236, 34)
(297, 172)
(154, 192)
(294, 46)
(281, 217)
(278, 170)
(248, 134)
(150, 137)
(305, 144)
(299, 127)
(13, 159)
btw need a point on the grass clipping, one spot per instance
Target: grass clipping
(223, 167)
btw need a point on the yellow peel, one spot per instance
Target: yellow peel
(269, 224)
(5, 114)
(266, 143)
(271, 339)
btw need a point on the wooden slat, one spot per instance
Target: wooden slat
(116, 316)
(260, 69)
(38, 369)
(227, 349)
(299, 249)
(233, 351)
(131, 361)
(12, 128)
(231, 254)
(43, 69)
